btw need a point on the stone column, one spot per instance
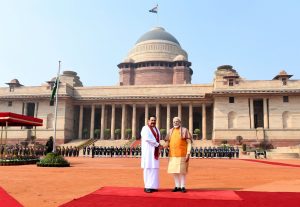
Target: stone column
(146, 113)
(266, 118)
(36, 109)
(191, 118)
(105, 117)
(80, 122)
(123, 121)
(102, 121)
(251, 114)
(25, 108)
(113, 121)
(179, 111)
(168, 117)
(134, 120)
(157, 111)
(203, 121)
(92, 129)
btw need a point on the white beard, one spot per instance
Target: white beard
(176, 127)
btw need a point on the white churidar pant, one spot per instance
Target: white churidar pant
(179, 180)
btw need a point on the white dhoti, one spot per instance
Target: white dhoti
(149, 164)
(151, 178)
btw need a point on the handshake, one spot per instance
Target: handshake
(162, 146)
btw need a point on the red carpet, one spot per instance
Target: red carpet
(7, 201)
(135, 197)
(271, 163)
(192, 194)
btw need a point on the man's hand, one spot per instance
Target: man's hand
(187, 157)
(160, 146)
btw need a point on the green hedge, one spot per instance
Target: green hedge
(18, 161)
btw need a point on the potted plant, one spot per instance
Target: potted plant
(97, 133)
(128, 133)
(85, 133)
(163, 133)
(197, 132)
(106, 133)
(118, 133)
(239, 139)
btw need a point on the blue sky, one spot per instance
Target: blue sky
(257, 37)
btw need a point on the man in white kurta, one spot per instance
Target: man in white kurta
(149, 160)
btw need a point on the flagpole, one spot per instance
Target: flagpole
(157, 16)
(55, 108)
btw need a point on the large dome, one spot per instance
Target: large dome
(157, 33)
(156, 58)
(156, 45)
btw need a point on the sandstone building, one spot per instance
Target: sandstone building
(155, 78)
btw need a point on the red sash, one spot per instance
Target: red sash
(156, 135)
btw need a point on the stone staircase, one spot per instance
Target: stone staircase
(75, 143)
(109, 143)
(203, 143)
(284, 153)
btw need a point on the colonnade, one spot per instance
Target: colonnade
(134, 121)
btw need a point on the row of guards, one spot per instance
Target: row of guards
(206, 152)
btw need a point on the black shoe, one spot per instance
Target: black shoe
(176, 189)
(183, 190)
(147, 190)
(153, 190)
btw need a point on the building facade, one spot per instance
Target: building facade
(155, 78)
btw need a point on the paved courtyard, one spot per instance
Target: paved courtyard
(49, 187)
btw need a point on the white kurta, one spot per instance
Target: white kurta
(148, 146)
(148, 162)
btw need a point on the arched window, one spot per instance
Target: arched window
(50, 120)
(232, 120)
(286, 120)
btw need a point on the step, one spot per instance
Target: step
(281, 155)
(286, 150)
(203, 143)
(108, 143)
(74, 143)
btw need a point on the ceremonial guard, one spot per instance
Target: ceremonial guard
(237, 152)
(84, 150)
(197, 152)
(201, 152)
